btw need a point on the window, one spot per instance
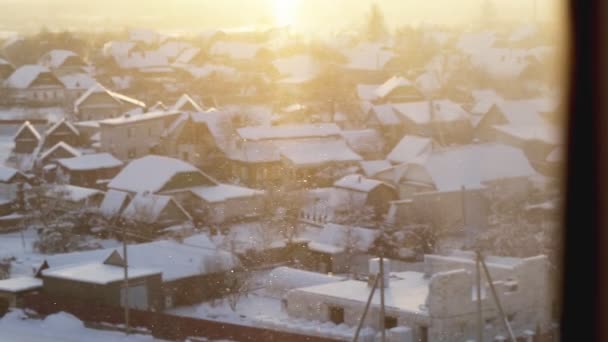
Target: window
(390, 322)
(336, 314)
(130, 132)
(185, 155)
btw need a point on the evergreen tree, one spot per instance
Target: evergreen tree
(376, 25)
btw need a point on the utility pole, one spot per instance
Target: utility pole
(479, 306)
(126, 280)
(496, 299)
(367, 304)
(382, 309)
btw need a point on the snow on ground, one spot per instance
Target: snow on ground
(60, 327)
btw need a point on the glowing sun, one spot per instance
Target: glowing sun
(285, 12)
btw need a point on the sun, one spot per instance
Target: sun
(285, 12)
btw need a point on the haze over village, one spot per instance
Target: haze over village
(281, 170)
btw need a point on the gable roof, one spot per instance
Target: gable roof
(25, 75)
(113, 203)
(72, 192)
(367, 92)
(187, 55)
(147, 207)
(364, 140)
(151, 173)
(90, 162)
(288, 131)
(186, 103)
(391, 84)
(55, 58)
(385, 114)
(411, 148)
(27, 126)
(372, 167)
(315, 153)
(7, 174)
(358, 183)
(422, 113)
(98, 88)
(223, 192)
(62, 122)
(473, 165)
(60, 145)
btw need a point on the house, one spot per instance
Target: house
(366, 62)
(370, 168)
(35, 84)
(470, 166)
(62, 59)
(26, 139)
(11, 181)
(58, 151)
(411, 148)
(99, 103)
(200, 195)
(385, 119)
(89, 169)
(422, 305)
(12, 291)
(76, 84)
(257, 157)
(366, 192)
(134, 135)
(153, 212)
(103, 284)
(62, 131)
(6, 69)
(193, 138)
(113, 203)
(195, 272)
(396, 89)
(339, 249)
(443, 120)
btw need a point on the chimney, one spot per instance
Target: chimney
(374, 269)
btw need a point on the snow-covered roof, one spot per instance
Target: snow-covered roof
(173, 49)
(77, 80)
(364, 140)
(20, 284)
(289, 131)
(367, 92)
(27, 125)
(90, 162)
(411, 148)
(474, 165)
(55, 58)
(142, 60)
(98, 88)
(358, 183)
(335, 238)
(367, 56)
(113, 202)
(484, 99)
(504, 63)
(186, 56)
(315, 153)
(129, 118)
(407, 292)
(523, 112)
(117, 48)
(297, 69)
(224, 192)
(557, 155)
(23, 76)
(7, 174)
(545, 133)
(371, 167)
(97, 273)
(150, 173)
(186, 103)
(146, 207)
(385, 114)
(282, 279)
(208, 69)
(73, 193)
(421, 112)
(60, 145)
(235, 50)
(62, 122)
(391, 84)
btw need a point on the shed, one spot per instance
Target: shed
(12, 290)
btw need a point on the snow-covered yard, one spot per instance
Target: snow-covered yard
(60, 327)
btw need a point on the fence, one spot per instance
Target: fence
(161, 325)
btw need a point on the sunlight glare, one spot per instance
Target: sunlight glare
(285, 12)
